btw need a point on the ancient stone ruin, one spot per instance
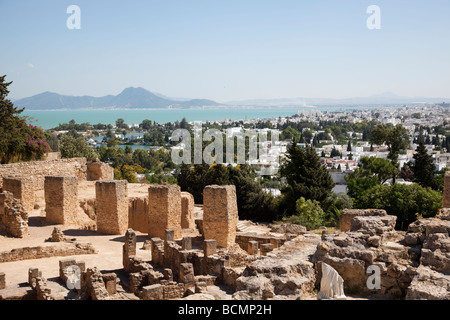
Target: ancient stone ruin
(152, 242)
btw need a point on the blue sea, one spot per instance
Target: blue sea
(51, 119)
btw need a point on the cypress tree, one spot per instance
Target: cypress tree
(423, 167)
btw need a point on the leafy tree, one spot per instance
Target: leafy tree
(335, 153)
(423, 167)
(404, 201)
(308, 213)
(349, 146)
(396, 139)
(306, 177)
(75, 148)
(19, 140)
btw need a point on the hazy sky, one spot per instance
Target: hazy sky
(227, 50)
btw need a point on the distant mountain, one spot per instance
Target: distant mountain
(130, 98)
(378, 99)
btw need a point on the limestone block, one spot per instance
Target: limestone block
(97, 170)
(164, 210)
(61, 199)
(112, 206)
(153, 292)
(252, 247)
(348, 214)
(209, 247)
(220, 214)
(187, 211)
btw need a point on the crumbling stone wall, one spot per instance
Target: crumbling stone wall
(97, 170)
(164, 210)
(220, 214)
(13, 216)
(22, 189)
(37, 170)
(58, 249)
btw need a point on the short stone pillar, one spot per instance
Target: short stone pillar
(157, 250)
(2, 281)
(22, 189)
(209, 247)
(187, 211)
(129, 248)
(110, 280)
(252, 247)
(220, 214)
(112, 206)
(33, 274)
(61, 199)
(164, 210)
(446, 193)
(186, 243)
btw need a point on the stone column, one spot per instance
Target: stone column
(61, 199)
(129, 248)
(187, 211)
(446, 193)
(22, 189)
(112, 206)
(220, 214)
(164, 211)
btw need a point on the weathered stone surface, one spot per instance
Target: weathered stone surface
(13, 216)
(37, 170)
(138, 213)
(429, 285)
(22, 189)
(373, 225)
(112, 206)
(348, 214)
(97, 170)
(129, 250)
(61, 200)
(220, 214)
(164, 210)
(153, 292)
(94, 285)
(288, 228)
(187, 211)
(286, 274)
